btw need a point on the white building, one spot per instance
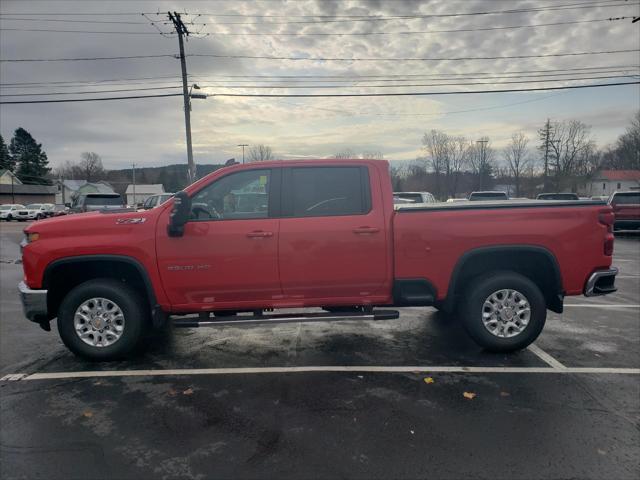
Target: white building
(69, 189)
(605, 182)
(142, 192)
(8, 178)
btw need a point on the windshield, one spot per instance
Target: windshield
(103, 200)
(34, 206)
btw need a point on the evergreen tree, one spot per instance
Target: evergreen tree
(6, 160)
(32, 161)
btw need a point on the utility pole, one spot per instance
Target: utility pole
(133, 174)
(181, 30)
(481, 165)
(243, 145)
(547, 133)
(13, 197)
(556, 149)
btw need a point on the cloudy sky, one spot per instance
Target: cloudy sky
(151, 131)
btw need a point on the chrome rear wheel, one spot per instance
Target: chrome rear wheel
(506, 313)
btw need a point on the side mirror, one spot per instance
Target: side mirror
(179, 215)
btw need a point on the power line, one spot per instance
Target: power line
(323, 34)
(406, 59)
(70, 100)
(79, 31)
(426, 16)
(353, 75)
(270, 87)
(65, 20)
(417, 84)
(414, 94)
(90, 92)
(379, 78)
(404, 94)
(334, 78)
(570, 6)
(409, 32)
(82, 59)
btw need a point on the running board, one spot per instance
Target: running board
(288, 318)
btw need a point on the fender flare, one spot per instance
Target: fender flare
(157, 314)
(555, 303)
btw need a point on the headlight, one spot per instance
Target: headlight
(31, 237)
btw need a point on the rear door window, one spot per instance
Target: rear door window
(327, 191)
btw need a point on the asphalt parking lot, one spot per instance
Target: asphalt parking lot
(406, 398)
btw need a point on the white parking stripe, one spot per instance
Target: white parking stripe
(545, 357)
(314, 369)
(599, 305)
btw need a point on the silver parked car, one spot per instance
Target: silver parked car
(156, 200)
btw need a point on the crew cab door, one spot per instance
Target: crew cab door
(227, 256)
(332, 234)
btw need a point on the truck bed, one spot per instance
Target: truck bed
(434, 239)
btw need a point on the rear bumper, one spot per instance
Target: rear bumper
(34, 303)
(601, 282)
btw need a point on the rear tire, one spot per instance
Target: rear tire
(112, 336)
(503, 311)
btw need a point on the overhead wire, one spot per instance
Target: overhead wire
(328, 95)
(201, 34)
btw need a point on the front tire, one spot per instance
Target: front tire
(102, 319)
(503, 311)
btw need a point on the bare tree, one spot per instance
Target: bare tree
(436, 146)
(517, 157)
(260, 153)
(482, 161)
(457, 161)
(373, 155)
(91, 166)
(345, 154)
(571, 147)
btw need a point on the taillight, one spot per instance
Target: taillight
(607, 219)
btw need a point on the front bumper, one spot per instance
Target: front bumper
(34, 303)
(601, 282)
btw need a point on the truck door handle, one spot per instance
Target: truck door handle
(259, 234)
(365, 230)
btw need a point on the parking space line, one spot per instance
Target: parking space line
(314, 369)
(545, 357)
(600, 305)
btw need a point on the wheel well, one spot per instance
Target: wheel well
(535, 263)
(75, 272)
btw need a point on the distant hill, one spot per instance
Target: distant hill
(173, 177)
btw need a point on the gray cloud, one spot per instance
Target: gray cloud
(151, 131)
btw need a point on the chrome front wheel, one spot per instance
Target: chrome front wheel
(99, 322)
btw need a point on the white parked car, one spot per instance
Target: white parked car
(33, 211)
(415, 197)
(9, 211)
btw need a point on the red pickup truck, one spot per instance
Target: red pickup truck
(257, 237)
(626, 209)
